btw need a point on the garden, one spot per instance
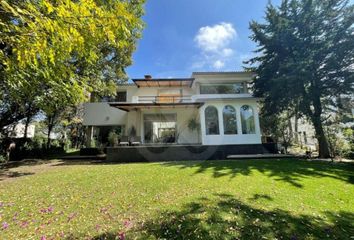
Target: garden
(244, 199)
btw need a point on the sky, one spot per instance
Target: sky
(185, 36)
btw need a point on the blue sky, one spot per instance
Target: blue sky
(182, 36)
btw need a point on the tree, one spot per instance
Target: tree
(66, 49)
(278, 127)
(305, 59)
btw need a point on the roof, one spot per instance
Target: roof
(126, 84)
(164, 82)
(225, 73)
(134, 106)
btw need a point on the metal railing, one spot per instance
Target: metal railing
(165, 99)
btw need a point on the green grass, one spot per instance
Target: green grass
(250, 199)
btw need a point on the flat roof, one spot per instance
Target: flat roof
(224, 73)
(164, 82)
(134, 106)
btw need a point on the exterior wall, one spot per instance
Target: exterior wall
(101, 114)
(184, 152)
(238, 138)
(19, 130)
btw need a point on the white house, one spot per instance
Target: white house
(161, 110)
(18, 130)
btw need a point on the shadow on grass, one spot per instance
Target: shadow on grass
(6, 174)
(225, 217)
(287, 170)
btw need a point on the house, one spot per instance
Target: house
(18, 130)
(162, 112)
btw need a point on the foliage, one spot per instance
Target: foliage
(2, 159)
(193, 124)
(349, 136)
(277, 126)
(53, 54)
(178, 200)
(305, 56)
(113, 138)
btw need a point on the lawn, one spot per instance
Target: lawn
(248, 199)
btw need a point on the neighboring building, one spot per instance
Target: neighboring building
(160, 110)
(343, 115)
(18, 130)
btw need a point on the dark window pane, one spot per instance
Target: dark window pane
(229, 118)
(225, 88)
(211, 121)
(121, 97)
(247, 120)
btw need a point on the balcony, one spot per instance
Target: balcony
(164, 99)
(158, 102)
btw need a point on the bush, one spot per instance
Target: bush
(31, 148)
(113, 138)
(3, 159)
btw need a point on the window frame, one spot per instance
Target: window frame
(217, 127)
(243, 121)
(234, 113)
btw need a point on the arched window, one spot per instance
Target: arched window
(211, 121)
(247, 120)
(229, 118)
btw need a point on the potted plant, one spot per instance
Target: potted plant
(193, 125)
(113, 138)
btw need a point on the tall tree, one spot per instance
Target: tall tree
(64, 49)
(305, 58)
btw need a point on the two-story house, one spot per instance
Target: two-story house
(207, 109)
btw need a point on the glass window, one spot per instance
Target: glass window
(247, 120)
(160, 128)
(229, 118)
(121, 97)
(211, 121)
(225, 88)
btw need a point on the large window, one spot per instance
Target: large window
(229, 118)
(211, 121)
(247, 120)
(225, 88)
(160, 128)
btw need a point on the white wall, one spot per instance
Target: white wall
(101, 114)
(239, 138)
(19, 130)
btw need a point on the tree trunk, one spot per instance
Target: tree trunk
(296, 127)
(48, 136)
(27, 122)
(50, 128)
(317, 123)
(321, 138)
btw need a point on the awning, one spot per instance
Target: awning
(164, 82)
(135, 106)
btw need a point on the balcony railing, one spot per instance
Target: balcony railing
(164, 99)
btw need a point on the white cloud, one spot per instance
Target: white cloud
(218, 64)
(214, 44)
(227, 52)
(215, 38)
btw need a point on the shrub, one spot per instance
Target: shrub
(113, 138)
(3, 159)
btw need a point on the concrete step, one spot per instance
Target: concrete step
(259, 156)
